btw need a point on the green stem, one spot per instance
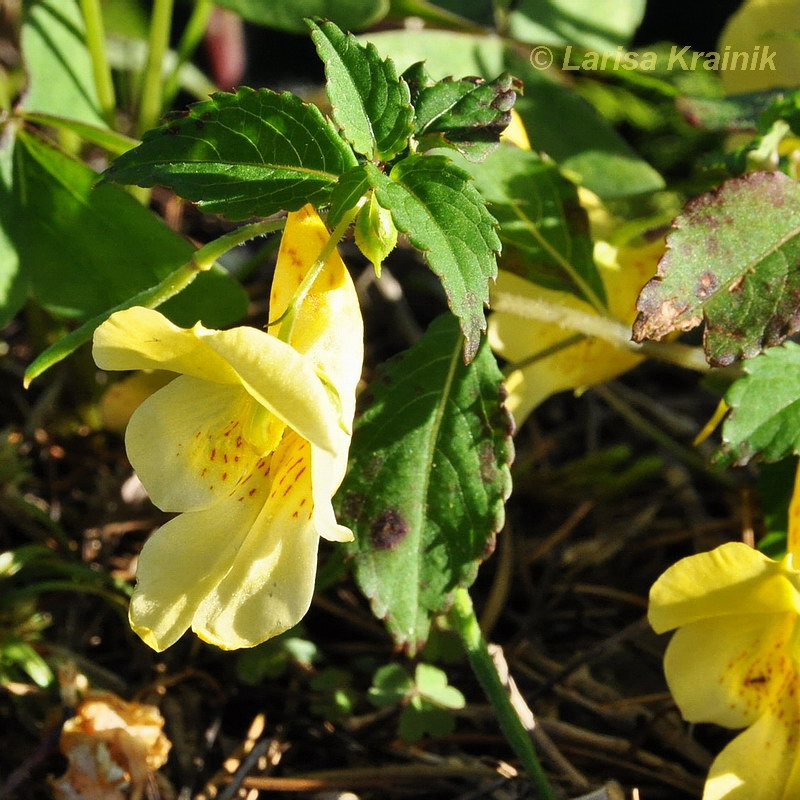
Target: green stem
(601, 327)
(463, 619)
(96, 43)
(289, 316)
(202, 260)
(190, 39)
(151, 102)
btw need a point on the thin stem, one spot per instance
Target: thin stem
(600, 327)
(463, 619)
(289, 316)
(656, 433)
(151, 102)
(190, 39)
(202, 260)
(96, 43)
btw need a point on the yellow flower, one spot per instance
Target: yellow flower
(762, 46)
(584, 363)
(734, 661)
(250, 442)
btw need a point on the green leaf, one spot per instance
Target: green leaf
(420, 718)
(593, 24)
(60, 78)
(468, 114)
(441, 212)
(290, 15)
(391, 684)
(732, 260)
(252, 153)
(731, 114)
(370, 103)
(437, 440)
(558, 121)
(765, 409)
(432, 684)
(78, 250)
(543, 227)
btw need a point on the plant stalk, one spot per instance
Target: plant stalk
(601, 327)
(151, 101)
(190, 39)
(96, 44)
(462, 616)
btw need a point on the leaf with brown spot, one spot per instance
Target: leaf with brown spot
(428, 477)
(733, 261)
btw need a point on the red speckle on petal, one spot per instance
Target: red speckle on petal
(300, 473)
(224, 476)
(213, 453)
(252, 492)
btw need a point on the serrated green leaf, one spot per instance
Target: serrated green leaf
(351, 187)
(60, 78)
(370, 103)
(78, 250)
(765, 409)
(468, 114)
(543, 227)
(732, 260)
(252, 153)
(437, 440)
(598, 25)
(290, 15)
(436, 205)
(558, 121)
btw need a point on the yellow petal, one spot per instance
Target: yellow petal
(763, 762)
(283, 381)
(181, 563)
(187, 444)
(733, 579)
(142, 338)
(273, 372)
(515, 132)
(269, 585)
(730, 670)
(328, 328)
(767, 24)
(576, 366)
(793, 535)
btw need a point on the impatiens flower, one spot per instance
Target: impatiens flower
(250, 443)
(735, 661)
(583, 363)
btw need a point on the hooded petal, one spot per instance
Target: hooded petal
(186, 443)
(763, 762)
(733, 579)
(328, 328)
(730, 670)
(282, 380)
(142, 338)
(273, 372)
